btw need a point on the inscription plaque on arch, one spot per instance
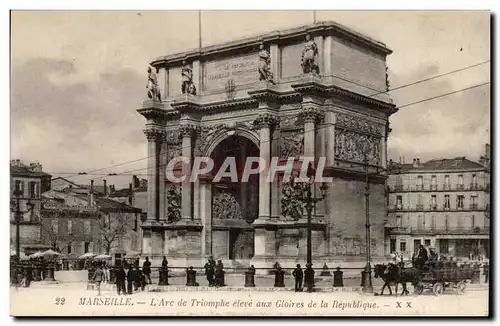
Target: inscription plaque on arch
(241, 69)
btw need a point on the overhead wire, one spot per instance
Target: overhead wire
(91, 172)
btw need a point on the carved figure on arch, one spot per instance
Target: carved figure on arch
(265, 73)
(309, 56)
(225, 206)
(152, 85)
(291, 146)
(174, 204)
(187, 85)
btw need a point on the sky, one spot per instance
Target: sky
(77, 79)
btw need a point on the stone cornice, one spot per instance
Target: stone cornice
(227, 104)
(284, 36)
(265, 93)
(314, 86)
(186, 104)
(309, 86)
(353, 175)
(153, 113)
(318, 223)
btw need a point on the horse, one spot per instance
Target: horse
(405, 275)
(380, 271)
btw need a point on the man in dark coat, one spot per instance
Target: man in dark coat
(219, 274)
(210, 271)
(120, 280)
(146, 269)
(422, 257)
(486, 272)
(139, 279)
(299, 276)
(130, 279)
(164, 267)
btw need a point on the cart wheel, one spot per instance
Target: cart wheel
(461, 287)
(419, 289)
(438, 289)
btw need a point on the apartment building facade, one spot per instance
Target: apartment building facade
(75, 223)
(31, 181)
(441, 203)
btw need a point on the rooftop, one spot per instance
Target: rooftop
(446, 164)
(26, 171)
(110, 205)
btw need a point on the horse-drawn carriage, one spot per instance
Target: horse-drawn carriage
(439, 275)
(432, 273)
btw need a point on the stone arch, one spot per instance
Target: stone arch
(225, 133)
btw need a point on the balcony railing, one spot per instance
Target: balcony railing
(450, 230)
(431, 208)
(473, 206)
(474, 186)
(435, 187)
(436, 231)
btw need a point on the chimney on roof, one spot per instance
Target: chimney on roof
(415, 163)
(130, 195)
(404, 160)
(91, 194)
(144, 184)
(135, 182)
(105, 188)
(418, 161)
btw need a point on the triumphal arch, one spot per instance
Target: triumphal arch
(317, 90)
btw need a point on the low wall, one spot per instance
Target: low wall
(71, 276)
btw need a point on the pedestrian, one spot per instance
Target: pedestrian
(29, 274)
(309, 275)
(219, 274)
(164, 266)
(130, 279)
(120, 280)
(137, 278)
(210, 271)
(146, 269)
(299, 276)
(106, 272)
(98, 278)
(486, 272)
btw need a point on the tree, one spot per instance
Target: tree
(54, 237)
(112, 228)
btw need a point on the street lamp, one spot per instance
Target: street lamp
(304, 194)
(367, 272)
(18, 214)
(300, 193)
